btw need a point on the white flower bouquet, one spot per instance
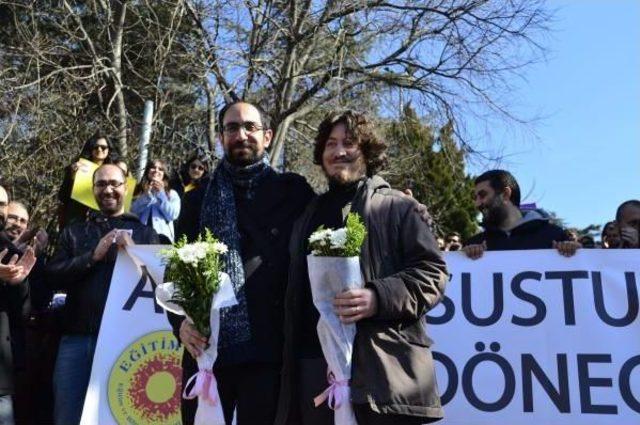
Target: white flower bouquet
(334, 267)
(196, 288)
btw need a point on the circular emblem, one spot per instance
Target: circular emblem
(145, 381)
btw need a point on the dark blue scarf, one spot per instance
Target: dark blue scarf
(219, 215)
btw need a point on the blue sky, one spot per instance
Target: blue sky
(584, 158)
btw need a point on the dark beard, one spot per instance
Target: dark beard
(252, 158)
(494, 216)
(337, 181)
(340, 180)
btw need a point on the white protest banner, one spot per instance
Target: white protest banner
(534, 338)
(136, 372)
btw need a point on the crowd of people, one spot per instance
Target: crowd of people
(270, 364)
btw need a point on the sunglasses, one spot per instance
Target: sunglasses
(101, 147)
(196, 167)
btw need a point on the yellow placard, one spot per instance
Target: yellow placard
(82, 190)
(128, 198)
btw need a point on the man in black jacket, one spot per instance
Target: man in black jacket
(82, 265)
(14, 293)
(251, 208)
(497, 197)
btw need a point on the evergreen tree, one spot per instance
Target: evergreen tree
(429, 162)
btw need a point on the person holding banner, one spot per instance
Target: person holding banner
(82, 265)
(497, 197)
(392, 372)
(97, 150)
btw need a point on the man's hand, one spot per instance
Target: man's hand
(100, 251)
(475, 251)
(629, 236)
(355, 304)
(192, 340)
(123, 239)
(17, 270)
(567, 248)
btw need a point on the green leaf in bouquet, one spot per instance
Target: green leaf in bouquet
(194, 270)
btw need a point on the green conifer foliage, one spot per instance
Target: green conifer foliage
(429, 162)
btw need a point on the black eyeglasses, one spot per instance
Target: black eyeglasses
(16, 219)
(196, 167)
(103, 184)
(101, 147)
(248, 126)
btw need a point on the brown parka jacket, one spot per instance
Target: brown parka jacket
(392, 370)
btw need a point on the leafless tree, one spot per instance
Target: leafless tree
(68, 67)
(299, 57)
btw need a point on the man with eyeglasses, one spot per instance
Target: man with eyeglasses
(82, 266)
(17, 220)
(14, 292)
(251, 208)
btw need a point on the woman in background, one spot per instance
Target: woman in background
(97, 150)
(192, 174)
(156, 204)
(195, 175)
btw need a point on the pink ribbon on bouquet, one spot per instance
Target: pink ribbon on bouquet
(204, 386)
(335, 393)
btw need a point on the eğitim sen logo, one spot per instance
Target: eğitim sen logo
(145, 381)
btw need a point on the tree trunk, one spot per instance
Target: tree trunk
(121, 8)
(280, 135)
(211, 116)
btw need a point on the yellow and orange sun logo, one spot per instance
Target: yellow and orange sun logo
(145, 381)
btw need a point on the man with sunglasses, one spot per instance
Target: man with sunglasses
(82, 266)
(251, 208)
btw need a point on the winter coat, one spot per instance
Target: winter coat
(392, 366)
(14, 304)
(85, 281)
(278, 201)
(532, 232)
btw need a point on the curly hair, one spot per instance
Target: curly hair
(361, 129)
